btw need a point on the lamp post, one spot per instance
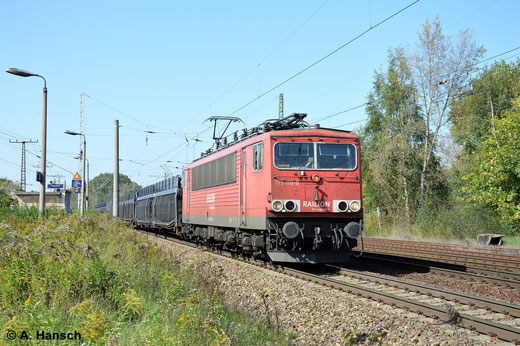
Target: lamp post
(82, 195)
(41, 178)
(87, 186)
(115, 198)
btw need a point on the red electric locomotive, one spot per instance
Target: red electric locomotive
(285, 190)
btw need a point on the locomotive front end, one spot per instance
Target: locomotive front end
(314, 208)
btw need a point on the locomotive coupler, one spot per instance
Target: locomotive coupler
(317, 239)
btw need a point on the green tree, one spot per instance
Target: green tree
(6, 186)
(101, 187)
(439, 68)
(391, 142)
(494, 177)
(489, 96)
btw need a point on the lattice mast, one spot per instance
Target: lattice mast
(23, 175)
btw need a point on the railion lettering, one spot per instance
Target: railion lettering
(314, 204)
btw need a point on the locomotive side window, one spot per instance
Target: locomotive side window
(217, 172)
(258, 157)
(336, 156)
(291, 155)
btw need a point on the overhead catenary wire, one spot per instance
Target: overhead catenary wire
(129, 116)
(324, 57)
(52, 163)
(472, 13)
(10, 133)
(257, 65)
(10, 163)
(315, 63)
(327, 117)
(156, 132)
(442, 76)
(171, 150)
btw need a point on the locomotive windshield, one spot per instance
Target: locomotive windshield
(290, 155)
(301, 156)
(336, 156)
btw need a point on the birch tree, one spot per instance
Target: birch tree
(440, 70)
(392, 141)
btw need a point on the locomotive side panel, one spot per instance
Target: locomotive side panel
(211, 194)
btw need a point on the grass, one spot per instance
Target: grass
(511, 240)
(459, 225)
(95, 276)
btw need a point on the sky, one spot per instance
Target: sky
(167, 66)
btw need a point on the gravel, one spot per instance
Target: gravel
(317, 314)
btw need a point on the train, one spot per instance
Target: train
(284, 191)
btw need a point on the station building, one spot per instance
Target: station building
(59, 200)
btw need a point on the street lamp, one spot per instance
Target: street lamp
(82, 195)
(40, 177)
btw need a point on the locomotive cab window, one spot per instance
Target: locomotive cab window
(291, 155)
(325, 156)
(336, 156)
(258, 157)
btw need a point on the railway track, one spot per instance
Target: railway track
(486, 276)
(483, 315)
(502, 260)
(486, 316)
(490, 251)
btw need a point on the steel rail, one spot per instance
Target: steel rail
(482, 262)
(484, 303)
(431, 269)
(507, 278)
(484, 258)
(481, 325)
(501, 251)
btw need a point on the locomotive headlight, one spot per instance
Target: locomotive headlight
(290, 205)
(342, 206)
(316, 178)
(277, 205)
(355, 206)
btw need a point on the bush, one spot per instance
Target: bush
(458, 221)
(5, 199)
